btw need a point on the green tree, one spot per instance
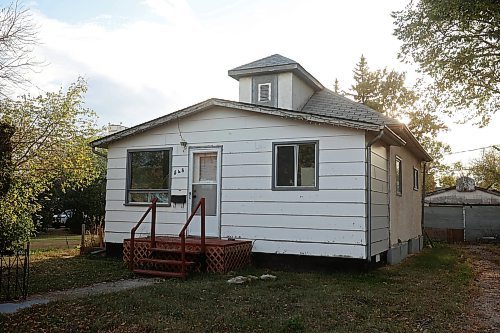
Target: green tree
(447, 180)
(50, 144)
(386, 91)
(6, 168)
(486, 170)
(383, 90)
(457, 43)
(52, 135)
(17, 208)
(336, 86)
(87, 200)
(450, 173)
(430, 181)
(425, 122)
(364, 90)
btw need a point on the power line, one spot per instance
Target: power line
(468, 150)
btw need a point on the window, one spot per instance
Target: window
(148, 176)
(415, 179)
(399, 177)
(264, 92)
(295, 166)
(205, 168)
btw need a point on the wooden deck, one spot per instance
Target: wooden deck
(222, 255)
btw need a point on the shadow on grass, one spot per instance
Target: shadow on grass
(418, 295)
(52, 270)
(441, 256)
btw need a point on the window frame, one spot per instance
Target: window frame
(416, 179)
(129, 177)
(399, 161)
(274, 177)
(269, 98)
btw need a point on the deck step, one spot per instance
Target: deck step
(165, 262)
(158, 273)
(178, 241)
(162, 250)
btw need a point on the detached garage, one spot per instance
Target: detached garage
(462, 213)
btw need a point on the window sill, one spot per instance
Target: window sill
(140, 204)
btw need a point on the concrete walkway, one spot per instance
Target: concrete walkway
(99, 288)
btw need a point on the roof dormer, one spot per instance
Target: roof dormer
(275, 81)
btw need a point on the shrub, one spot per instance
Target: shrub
(16, 210)
(6, 133)
(75, 222)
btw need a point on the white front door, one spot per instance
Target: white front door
(204, 182)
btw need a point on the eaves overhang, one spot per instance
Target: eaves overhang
(214, 102)
(295, 68)
(411, 142)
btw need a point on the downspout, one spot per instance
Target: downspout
(463, 217)
(423, 198)
(368, 194)
(98, 153)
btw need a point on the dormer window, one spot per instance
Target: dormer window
(264, 92)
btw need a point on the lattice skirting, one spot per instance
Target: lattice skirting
(221, 258)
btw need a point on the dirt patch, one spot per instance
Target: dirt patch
(484, 307)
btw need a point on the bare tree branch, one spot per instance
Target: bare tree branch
(18, 38)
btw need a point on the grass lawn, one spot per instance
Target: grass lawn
(55, 239)
(55, 264)
(62, 242)
(60, 269)
(426, 292)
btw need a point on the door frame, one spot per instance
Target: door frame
(205, 149)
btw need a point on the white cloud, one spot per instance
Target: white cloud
(186, 55)
(139, 69)
(176, 12)
(141, 56)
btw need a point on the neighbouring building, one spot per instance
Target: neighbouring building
(462, 213)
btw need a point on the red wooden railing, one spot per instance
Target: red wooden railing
(152, 209)
(182, 235)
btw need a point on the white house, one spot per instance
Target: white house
(291, 166)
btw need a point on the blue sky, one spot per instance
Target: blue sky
(75, 12)
(146, 58)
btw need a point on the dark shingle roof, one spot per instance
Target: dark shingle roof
(214, 102)
(329, 104)
(273, 60)
(272, 65)
(324, 102)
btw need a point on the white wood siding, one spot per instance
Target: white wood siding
(328, 222)
(379, 199)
